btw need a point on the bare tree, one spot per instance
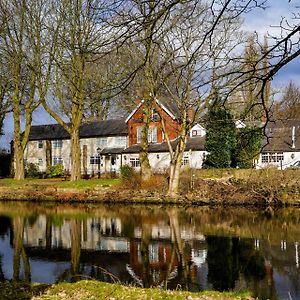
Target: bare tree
(203, 57)
(85, 37)
(26, 51)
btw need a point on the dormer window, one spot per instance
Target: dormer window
(154, 115)
(194, 133)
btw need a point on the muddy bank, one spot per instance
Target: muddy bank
(203, 192)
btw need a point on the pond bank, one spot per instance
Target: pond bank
(100, 290)
(229, 187)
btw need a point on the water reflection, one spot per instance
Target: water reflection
(194, 249)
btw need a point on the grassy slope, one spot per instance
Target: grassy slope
(100, 290)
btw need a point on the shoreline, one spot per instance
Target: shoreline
(117, 196)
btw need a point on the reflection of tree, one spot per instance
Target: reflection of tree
(180, 248)
(48, 232)
(222, 262)
(146, 270)
(2, 278)
(228, 257)
(75, 246)
(19, 251)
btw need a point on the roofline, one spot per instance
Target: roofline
(158, 102)
(165, 109)
(134, 111)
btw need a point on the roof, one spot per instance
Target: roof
(170, 107)
(279, 136)
(91, 129)
(193, 143)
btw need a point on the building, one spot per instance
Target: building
(281, 147)
(107, 145)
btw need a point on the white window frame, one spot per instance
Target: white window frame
(40, 162)
(57, 144)
(101, 142)
(121, 141)
(135, 162)
(272, 157)
(57, 160)
(95, 160)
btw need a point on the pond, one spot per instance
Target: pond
(193, 248)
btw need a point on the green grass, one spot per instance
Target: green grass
(100, 290)
(80, 184)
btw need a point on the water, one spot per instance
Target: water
(189, 248)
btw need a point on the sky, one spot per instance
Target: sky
(263, 21)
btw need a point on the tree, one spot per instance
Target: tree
(220, 140)
(248, 147)
(27, 54)
(84, 37)
(201, 55)
(151, 25)
(288, 106)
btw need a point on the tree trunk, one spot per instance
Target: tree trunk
(75, 155)
(19, 172)
(175, 166)
(18, 163)
(48, 155)
(146, 171)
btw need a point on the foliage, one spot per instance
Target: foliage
(32, 170)
(56, 171)
(248, 146)
(220, 140)
(127, 172)
(130, 177)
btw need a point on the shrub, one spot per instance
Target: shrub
(127, 172)
(56, 171)
(130, 177)
(32, 170)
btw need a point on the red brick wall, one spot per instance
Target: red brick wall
(172, 126)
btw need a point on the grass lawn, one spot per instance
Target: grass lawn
(80, 184)
(100, 290)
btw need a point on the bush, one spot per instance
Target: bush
(130, 177)
(32, 170)
(127, 172)
(56, 171)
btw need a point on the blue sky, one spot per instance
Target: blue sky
(259, 20)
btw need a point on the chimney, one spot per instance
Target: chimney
(293, 137)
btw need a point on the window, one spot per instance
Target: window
(152, 134)
(102, 142)
(185, 161)
(57, 144)
(194, 133)
(121, 141)
(135, 162)
(271, 157)
(154, 115)
(57, 161)
(40, 144)
(95, 160)
(40, 162)
(139, 134)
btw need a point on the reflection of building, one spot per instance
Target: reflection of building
(97, 234)
(123, 249)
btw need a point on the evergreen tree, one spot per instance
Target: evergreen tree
(220, 139)
(248, 146)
